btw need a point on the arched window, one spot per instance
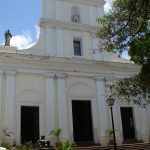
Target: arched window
(75, 14)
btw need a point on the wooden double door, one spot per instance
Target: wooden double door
(82, 121)
(29, 124)
(127, 123)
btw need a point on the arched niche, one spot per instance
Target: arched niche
(30, 95)
(81, 90)
(75, 14)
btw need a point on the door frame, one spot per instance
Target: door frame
(93, 114)
(18, 131)
(33, 122)
(90, 117)
(134, 121)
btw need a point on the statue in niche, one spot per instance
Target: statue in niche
(75, 17)
(8, 36)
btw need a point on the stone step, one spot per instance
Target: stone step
(135, 146)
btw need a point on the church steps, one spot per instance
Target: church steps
(135, 146)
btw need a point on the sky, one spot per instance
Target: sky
(22, 17)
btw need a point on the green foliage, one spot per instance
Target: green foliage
(5, 144)
(136, 89)
(4, 133)
(126, 22)
(132, 90)
(20, 148)
(109, 132)
(26, 146)
(67, 145)
(127, 28)
(23, 147)
(140, 50)
(56, 133)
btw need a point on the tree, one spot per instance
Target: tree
(132, 90)
(127, 28)
(127, 20)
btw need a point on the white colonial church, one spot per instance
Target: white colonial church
(61, 83)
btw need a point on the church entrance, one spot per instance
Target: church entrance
(29, 123)
(127, 123)
(82, 121)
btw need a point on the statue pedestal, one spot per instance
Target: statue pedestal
(8, 49)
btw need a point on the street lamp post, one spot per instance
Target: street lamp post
(110, 102)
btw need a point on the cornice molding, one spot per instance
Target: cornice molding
(46, 23)
(1, 72)
(10, 72)
(8, 49)
(80, 74)
(99, 78)
(45, 62)
(105, 76)
(61, 75)
(49, 75)
(99, 3)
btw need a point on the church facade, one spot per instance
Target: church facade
(61, 83)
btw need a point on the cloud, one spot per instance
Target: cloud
(22, 41)
(25, 40)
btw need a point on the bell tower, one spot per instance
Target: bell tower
(67, 27)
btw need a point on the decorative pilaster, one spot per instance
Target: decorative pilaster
(48, 40)
(102, 107)
(137, 121)
(59, 35)
(58, 10)
(91, 15)
(48, 9)
(43, 8)
(100, 12)
(144, 125)
(10, 100)
(95, 43)
(62, 106)
(1, 90)
(50, 101)
(117, 123)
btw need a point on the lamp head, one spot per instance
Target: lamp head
(110, 101)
